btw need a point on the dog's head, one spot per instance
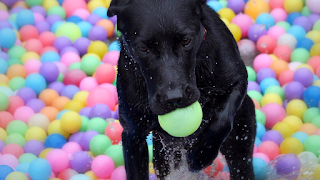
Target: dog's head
(163, 37)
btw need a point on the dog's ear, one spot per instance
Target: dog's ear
(116, 7)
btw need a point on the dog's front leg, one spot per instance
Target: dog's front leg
(136, 159)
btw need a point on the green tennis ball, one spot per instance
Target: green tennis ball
(182, 122)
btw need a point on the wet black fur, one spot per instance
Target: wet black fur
(170, 75)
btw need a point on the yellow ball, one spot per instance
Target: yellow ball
(107, 3)
(314, 36)
(91, 175)
(3, 6)
(226, 21)
(293, 5)
(236, 31)
(16, 176)
(274, 58)
(29, 55)
(305, 66)
(91, 54)
(316, 174)
(284, 128)
(48, 4)
(3, 134)
(227, 13)
(44, 153)
(316, 83)
(294, 121)
(71, 122)
(17, 34)
(315, 50)
(81, 96)
(291, 145)
(74, 105)
(94, 4)
(55, 128)
(36, 133)
(99, 48)
(4, 84)
(271, 98)
(296, 107)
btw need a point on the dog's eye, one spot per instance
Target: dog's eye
(143, 48)
(186, 41)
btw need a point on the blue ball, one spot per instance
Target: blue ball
(36, 82)
(5, 171)
(115, 46)
(7, 38)
(55, 26)
(292, 16)
(84, 27)
(305, 43)
(261, 130)
(60, 2)
(80, 177)
(266, 19)
(257, 142)
(50, 56)
(268, 82)
(215, 5)
(74, 19)
(69, 91)
(14, 25)
(3, 66)
(61, 113)
(101, 11)
(23, 167)
(258, 165)
(315, 78)
(24, 17)
(311, 96)
(297, 31)
(55, 141)
(40, 169)
(302, 136)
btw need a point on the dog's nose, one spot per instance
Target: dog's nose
(173, 98)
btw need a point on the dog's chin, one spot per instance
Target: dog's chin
(162, 110)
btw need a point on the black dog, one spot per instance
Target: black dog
(176, 52)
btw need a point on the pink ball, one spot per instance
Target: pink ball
(105, 73)
(111, 57)
(255, 149)
(274, 113)
(276, 32)
(276, 4)
(283, 52)
(82, 13)
(74, 76)
(262, 61)
(69, 58)
(62, 68)
(88, 84)
(71, 147)
(101, 95)
(244, 22)
(4, 15)
(18, 42)
(111, 88)
(32, 66)
(70, 6)
(119, 174)
(279, 14)
(58, 159)
(23, 113)
(9, 160)
(269, 148)
(13, 149)
(102, 166)
(34, 45)
(14, 103)
(262, 156)
(38, 17)
(313, 6)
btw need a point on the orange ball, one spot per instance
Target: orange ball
(16, 70)
(4, 79)
(22, 4)
(48, 96)
(256, 104)
(107, 25)
(308, 128)
(279, 66)
(255, 7)
(28, 32)
(60, 102)
(50, 112)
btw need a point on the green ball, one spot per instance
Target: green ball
(305, 11)
(16, 52)
(255, 95)
(17, 126)
(84, 123)
(284, 24)
(13, 61)
(115, 82)
(99, 144)
(316, 121)
(60, 77)
(260, 117)
(15, 138)
(57, 10)
(316, 25)
(252, 76)
(16, 83)
(76, 65)
(115, 152)
(97, 124)
(4, 102)
(32, 3)
(89, 64)
(310, 113)
(277, 90)
(13, 17)
(224, 3)
(150, 152)
(69, 30)
(27, 157)
(312, 144)
(300, 55)
(183, 121)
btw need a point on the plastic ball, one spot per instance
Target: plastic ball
(66, 174)
(80, 177)
(314, 62)
(13, 149)
(16, 70)
(5, 170)
(82, 13)
(71, 147)
(291, 145)
(36, 82)
(256, 31)
(297, 31)
(100, 110)
(8, 38)
(261, 130)
(82, 44)
(262, 61)
(61, 164)
(89, 64)
(300, 55)
(294, 90)
(293, 5)
(33, 45)
(271, 98)
(39, 120)
(255, 7)
(98, 47)
(99, 144)
(119, 174)
(107, 25)
(296, 107)
(287, 165)
(274, 113)
(86, 138)
(97, 33)
(114, 131)
(5, 118)
(16, 175)
(15, 138)
(312, 5)
(97, 124)
(288, 40)
(248, 50)
(258, 165)
(95, 97)
(23, 113)
(17, 126)
(114, 46)
(69, 30)
(308, 128)
(269, 148)
(4, 102)
(24, 17)
(311, 96)
(304, 76)
(265, 19)
(61, 42)
(71, 122)
(81, 161)
(35, 133)
(55, 141)
(44, 153)
(115, 152)
(279, 15)
(310, 114)
(102, 166)
(40, 169)
(34, 147)
(266, 44)
(294, 121)
(315, 50)
(88, 84)
(49, 71)
(303, 22)
(69, 91)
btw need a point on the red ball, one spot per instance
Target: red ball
(266, 44)
(70, 6)
(74, 76)
(34, 45)
(285, 77)
(5, 119)
(14, 103)
(13, 149)
(314, 62)
(47, 38)
(283, 52)
(105, 73)
(214, 169)
(28, 32)
(269, 148)
(67, 174)
(114, 131)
